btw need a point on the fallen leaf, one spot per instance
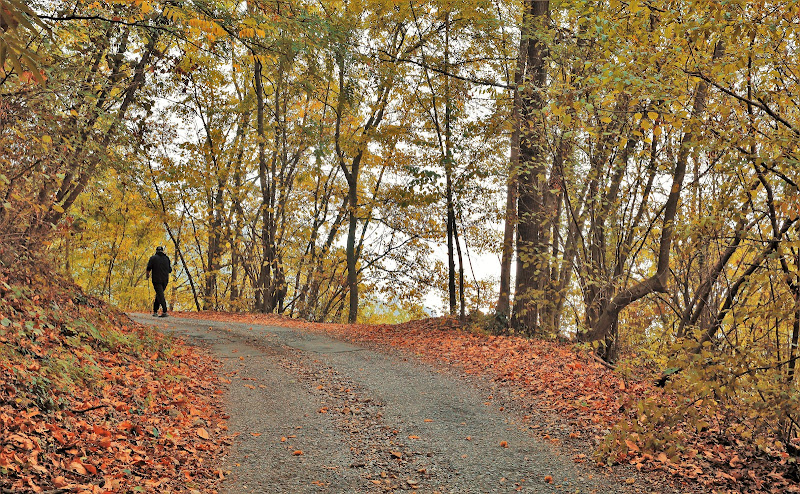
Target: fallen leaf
(503, 444)
(548, 479)
(77, 468)
(297, 452)
(203, 433)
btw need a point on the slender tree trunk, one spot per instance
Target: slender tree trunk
(264, 274)
(236, 257)
(214, 251)
(503, 308)
(448, 170)
(451, 263)
(352, 269)
(795, 336)
(351, 175)
(462, 304)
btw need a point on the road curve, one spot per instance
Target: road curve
(314, 414)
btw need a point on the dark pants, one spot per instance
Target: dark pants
(160, 299)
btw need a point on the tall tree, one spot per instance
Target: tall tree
(533, 154)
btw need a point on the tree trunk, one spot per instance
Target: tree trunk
(448, 171)
(503, 308)
(213, 253)
(351, 175)
(795, 332)
(532, 156)
(352, 269)
(462, 315)
(264, 274)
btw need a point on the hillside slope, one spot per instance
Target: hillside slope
(90, 402)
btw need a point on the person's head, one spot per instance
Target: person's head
(160, 248)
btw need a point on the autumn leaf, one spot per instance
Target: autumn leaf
(203, 433)
(77, 467)
(60, 482)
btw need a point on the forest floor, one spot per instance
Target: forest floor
(92, 402)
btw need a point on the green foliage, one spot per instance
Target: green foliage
(382, 313)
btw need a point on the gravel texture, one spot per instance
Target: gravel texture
(314, 414)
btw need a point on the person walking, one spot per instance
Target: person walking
(160, 268)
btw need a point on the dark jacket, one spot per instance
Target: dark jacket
(160, 268)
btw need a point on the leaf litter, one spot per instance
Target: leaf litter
(93, 403)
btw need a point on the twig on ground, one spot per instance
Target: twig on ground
(73, 410)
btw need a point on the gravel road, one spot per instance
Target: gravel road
(314, 414)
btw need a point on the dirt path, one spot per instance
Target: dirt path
(313, 414)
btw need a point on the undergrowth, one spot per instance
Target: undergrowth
(92, 402)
